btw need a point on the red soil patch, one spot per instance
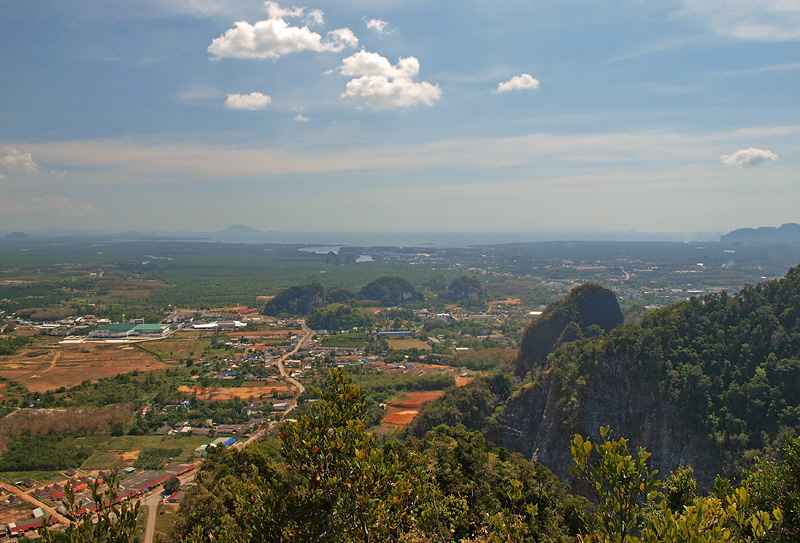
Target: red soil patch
(510, 301)
(400, 413)
(257, 392)
(264, 333)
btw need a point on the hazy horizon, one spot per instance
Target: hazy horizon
(399, 239)
(348, 116)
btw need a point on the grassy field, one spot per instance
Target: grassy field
(115, 452)
(165, 519)
(410, 343)
(178, 347)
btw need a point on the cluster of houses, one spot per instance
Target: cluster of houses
(184, 428)
(128, 489)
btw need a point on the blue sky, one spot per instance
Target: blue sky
(386, 115)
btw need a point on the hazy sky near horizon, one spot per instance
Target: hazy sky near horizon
(385, 115)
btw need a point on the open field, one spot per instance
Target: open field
(400, 413)
(270, 334)
(402, 344)
(165, 519)
(46, 365)
(122, 451)
(16, 513)
(258, 391)
(177, 347)
(115, 452)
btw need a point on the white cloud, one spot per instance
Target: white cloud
(275, 37)
(315, 18)
(748, 157)
(250, 102)
(518, 82)
(300, 118)
(381, 85)
(100, 163)
(16, 161)
(750, 20)
(378, 25)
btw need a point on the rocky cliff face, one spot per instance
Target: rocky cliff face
(586, 306)
(541, 425)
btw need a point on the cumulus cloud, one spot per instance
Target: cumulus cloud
(762, 20)
(300, 118)
(518, 82)
(275, 37)
(381, 85)
(748, 157)
(250, 102)
(378, 25)
(16, 161)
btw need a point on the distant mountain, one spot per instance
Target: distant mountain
(786, 233)
(240, 229)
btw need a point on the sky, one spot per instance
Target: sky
(400, 116)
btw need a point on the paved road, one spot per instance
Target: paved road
(151, 502)
(307, 333)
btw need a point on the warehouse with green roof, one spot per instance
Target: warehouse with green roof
(130, 330)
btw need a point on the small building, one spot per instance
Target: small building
(176, 497)
(223, 441)
(164, 430)
(228, 429)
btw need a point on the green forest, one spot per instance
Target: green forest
(730, 363)
(325, 478)
(726, 364)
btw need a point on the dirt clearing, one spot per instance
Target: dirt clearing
(46, 365)
(248, 393)
(400, 413)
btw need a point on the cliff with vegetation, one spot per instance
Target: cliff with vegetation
(710, 382)
(297, 300)
(587, 310)
(390, 291)
(463, 288)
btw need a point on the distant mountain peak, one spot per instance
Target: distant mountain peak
(786, 233)
(240, 229)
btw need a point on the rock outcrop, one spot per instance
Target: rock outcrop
(587, 310)
(539, 421)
